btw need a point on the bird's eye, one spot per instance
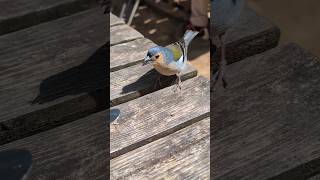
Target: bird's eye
(157, 56)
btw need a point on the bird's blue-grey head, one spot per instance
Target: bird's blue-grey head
(152, 55)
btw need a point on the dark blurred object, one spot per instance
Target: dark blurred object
(113, 114)
(213, 50)
(106, 5)
(15, 164)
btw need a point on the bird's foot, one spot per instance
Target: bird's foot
(218, 77)
(174, 82)
(177, 88)
(178, 84)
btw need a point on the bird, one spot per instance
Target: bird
(224, 14)
(171, 59)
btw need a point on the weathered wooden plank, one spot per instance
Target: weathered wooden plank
(267, 121)
(252, 34)
(154, 115)
(19, 14)
(52, 73)
(135, 81)
(303, 171)
(77, 150)
(115, 21)
(122, 34)
(129, 54)
(184, 154)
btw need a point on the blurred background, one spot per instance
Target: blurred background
(162, 22)
(298, 20)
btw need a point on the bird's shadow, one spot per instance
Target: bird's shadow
(148, 83)
(85, 78)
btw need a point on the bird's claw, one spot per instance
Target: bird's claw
(178, 84)
(176, 88)
(218, 77)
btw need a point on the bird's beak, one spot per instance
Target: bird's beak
(146, 61)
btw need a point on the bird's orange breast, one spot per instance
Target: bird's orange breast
(163, 68)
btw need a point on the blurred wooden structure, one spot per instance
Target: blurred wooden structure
(53, 73)
(266, 123)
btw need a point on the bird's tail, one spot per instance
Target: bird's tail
(188, 36)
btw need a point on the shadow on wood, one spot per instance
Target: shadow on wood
(85, 78)
(149, 77)
(303, 171)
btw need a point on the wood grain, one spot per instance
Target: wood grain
(135, 81)
(52, 73)
(184, 154)
(129, 54)
(267, 122)
(77, 150)
(19, 14)
(80, 146)
(122, 34)
(157, 114)
(303, 171)
(115, 21)
(252, 34)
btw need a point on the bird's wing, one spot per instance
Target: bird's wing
(179, 53)
(177, 50)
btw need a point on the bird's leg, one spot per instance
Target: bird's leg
(220, 75)
(175, 81)
(223, 61)
(178, 82)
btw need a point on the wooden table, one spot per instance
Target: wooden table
(266, 124)
(159, 133)
(252, 34)
(53, 93)
(53, 66)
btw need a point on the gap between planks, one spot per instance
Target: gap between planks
(136, 81)
(268, 117)
(129, 54)
(115, 21)
(123, 34)
(251, 35)
(171, 111)
(180, 155)
(77, 150)
(50, 73)
(70, 142)
(28, 14)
